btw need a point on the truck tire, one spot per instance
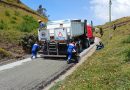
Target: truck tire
(81, 47)
(86, 43)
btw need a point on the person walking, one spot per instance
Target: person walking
(114, 27)
(70, 50)
(35, 48)
(101, 32)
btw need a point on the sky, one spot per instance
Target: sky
(95, 10)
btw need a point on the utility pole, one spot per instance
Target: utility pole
(110, 3)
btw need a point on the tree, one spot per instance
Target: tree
(41, 10)
(18, 1)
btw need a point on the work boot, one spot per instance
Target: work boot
(68, 61)
(33, 57)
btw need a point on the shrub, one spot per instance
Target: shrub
(28, 25)
(14, 18)
(27, 42)
(4, 53)
(13, 21)
(127, 40)
(16, 13)
(3, 25)
(127, 55)
(7, 13)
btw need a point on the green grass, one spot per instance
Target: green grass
(29, 24)
(106, 69)
(14, 24)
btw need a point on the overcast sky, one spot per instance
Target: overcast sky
(95, 10)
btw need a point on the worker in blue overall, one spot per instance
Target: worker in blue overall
(41, 24)
(35, 48)
(70, 51)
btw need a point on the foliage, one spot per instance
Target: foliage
(7, 13)
(42, 11)
(127, 40)
(3, 25)
(28, 25)
(27, 42)
(16, 13)
(4, 53)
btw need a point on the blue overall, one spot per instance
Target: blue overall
(71, 47)
(34, 50)
(42, 25)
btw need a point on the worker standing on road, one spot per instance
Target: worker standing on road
(101, 32)
(35, 50)
(70, 50)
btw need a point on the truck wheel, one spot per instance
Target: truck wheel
(87, 43)
(77, 59)
(80, 48)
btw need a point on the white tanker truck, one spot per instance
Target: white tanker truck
(58, 34)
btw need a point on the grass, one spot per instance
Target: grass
(15, 23)
(4, 54)
(107, 69)
(29, 24)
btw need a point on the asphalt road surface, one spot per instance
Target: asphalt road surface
(26, 74)
(31, 74)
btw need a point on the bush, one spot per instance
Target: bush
(127, 55)
(7, 13)
(28, 25)
(14, 18)
(2, 25)
(4, 53)
(27, 42)
(16, 13)
(127, 40)
(13, 21)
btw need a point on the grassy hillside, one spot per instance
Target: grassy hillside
(15, 21)
(106, 69)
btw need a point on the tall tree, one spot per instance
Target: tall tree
(41, 10)
(18, 1)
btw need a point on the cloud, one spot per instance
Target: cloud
(100, 8)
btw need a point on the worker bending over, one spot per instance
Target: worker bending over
(70, 51)
(35, 50)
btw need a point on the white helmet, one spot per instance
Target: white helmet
(39, 20)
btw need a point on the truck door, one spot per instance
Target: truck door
(60, 34)
(89, 31)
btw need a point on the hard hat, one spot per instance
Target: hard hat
(39, 20)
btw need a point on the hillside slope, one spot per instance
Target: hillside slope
(16, 20)
(108, 68)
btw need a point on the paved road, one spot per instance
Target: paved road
(29, 73)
